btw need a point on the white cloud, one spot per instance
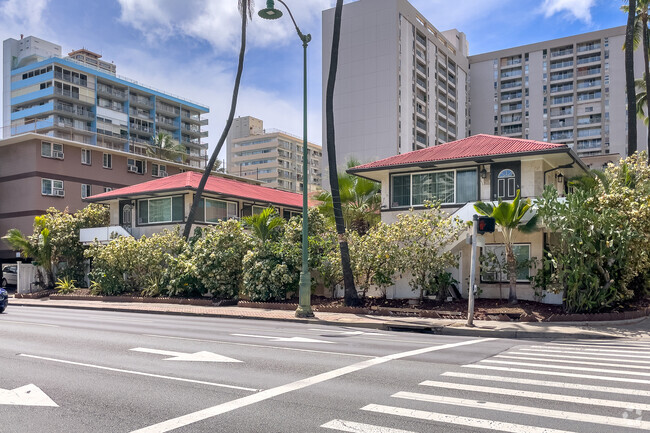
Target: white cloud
(18, 13)
(572, 9)
(217, 22)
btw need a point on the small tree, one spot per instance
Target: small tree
(37, 247)
(266, 225)
(508, 218)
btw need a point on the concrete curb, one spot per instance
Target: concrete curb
(385, 325)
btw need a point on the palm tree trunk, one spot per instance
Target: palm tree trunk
(646, 47)
(512, 273)
(191, 217)
(351, 296)
(629, 80)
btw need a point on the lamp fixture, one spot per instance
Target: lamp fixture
(270, 13)
(559, 177)
(483, 173)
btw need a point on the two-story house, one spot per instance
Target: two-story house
(458, 173)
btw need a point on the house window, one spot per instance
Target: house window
(51, 150)
(86, 156)
(107, 160)
(135, 166)
(86, 190)
(506, 183)
(258, 210)
(52, 187)
(217, 210)
(522, 254)
(158, 170)
(449, 187)
(160, 210)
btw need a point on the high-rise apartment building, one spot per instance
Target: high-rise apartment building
(401, 84)
(271, 156)
(569, 90)
(73, 128)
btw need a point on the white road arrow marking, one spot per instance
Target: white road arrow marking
(289, 339)
(202, 356)
(28, 395)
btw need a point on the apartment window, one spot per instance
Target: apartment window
(86, 190)
(522, 255)
(453, 186)
(217, 210)
(52, 187)
(160, 210)
(51, 150)
(86, 156)
(158, 170)
(135, 166)
(107, 160)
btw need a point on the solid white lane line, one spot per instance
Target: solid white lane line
(294, 349)
(138, 373)
(560, 373)
(567, 361)
(563, 385)
(566, 367)
(537, 395)
(599, 354)
(219, 409)
(460, 420)
(356, 427)
(552, 355)
(29, 323)
(526, 410)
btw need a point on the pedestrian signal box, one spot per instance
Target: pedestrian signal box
(485, 225)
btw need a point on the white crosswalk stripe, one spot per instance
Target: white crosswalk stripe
(581, 369)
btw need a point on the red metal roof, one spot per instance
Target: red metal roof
(476, 146)
(216, 185)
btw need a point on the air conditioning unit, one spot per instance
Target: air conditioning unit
(59, 193)
(133, 169)
(57, 155)
(163, 173)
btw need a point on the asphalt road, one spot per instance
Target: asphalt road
(89, 371)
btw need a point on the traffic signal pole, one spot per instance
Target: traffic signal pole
(472, 275)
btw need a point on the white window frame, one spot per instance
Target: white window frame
(53, 187)
(149, 222)
(455, 171)
(132, 162)
(86, 190)
(229, 215)
(86, 156)
(54, 150)
(158, 170)
(107, 157)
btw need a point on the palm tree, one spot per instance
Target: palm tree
(163, 146)
(37, 247)
(629, 77)
(641, 33)
(246, 12)
(360, 201)
(265, 224)
(507, 217)
(351, 295)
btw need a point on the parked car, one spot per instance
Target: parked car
(4, 299)
(9, 275)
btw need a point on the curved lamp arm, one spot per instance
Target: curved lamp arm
(304, 38)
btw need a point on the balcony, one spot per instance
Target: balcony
(562, 135)
(78, 112)
(559, 76)
(562, 123)
(421, 69)
(141, 128)
(421, 125)
(589, 47)
(110, 91)
(589, 84)
(66, 93)
(421, 40)
(70, 79)
(562, 52)
(164, 108)
(142, 114)
(583, 72)
(568, 111)
(510, 84)
(512, 73)
(588, 59)
(510, 62)
(511, 119)
(561, 100)
(421, 83)
(141, 101)
(561, 88)
(561, 65)
(510, 130)
(591, 120)
(510, 96)
(510, 107)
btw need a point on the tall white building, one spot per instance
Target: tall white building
(401, 83)
(569, 90)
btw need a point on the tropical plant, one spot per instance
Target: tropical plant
(641, 33)
(629, 75)
(265, 225)
(65, 285)
(246, 12)
(351, 296)
(360, 201)
(270, 273)
(37, 247)
(508, 218)
(163, 146)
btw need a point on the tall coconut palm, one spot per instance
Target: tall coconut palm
(351, 295)
(163, 146)
(507, 217)
(641, 34)
(629, 78)
(360, 200)
(246, 12)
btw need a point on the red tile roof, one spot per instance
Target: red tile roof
(476, 146)
(216, 185)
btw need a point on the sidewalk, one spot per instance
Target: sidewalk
(636, 328)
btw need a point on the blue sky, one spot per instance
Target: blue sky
(190, 47)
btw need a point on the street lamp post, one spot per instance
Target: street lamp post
(304, 306)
